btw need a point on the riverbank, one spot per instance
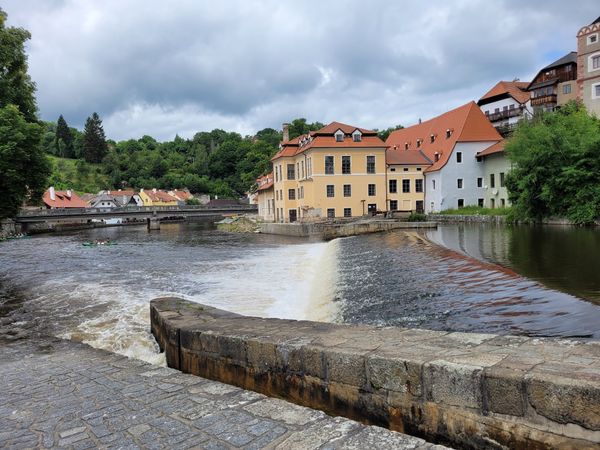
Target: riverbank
(60, 394)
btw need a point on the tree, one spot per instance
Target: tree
(64, 139)
(23, 165)
(94, 140)
(300, 126)
(556, 159)
(16, 87)
(384, 134)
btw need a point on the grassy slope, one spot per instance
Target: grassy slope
(77, 175)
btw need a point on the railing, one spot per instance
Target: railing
(543, 100)
(514, 112)
(132, 209)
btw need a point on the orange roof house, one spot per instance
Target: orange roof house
(62, 199)
(451, 142)
(507, 103)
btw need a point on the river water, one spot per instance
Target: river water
(540, 282)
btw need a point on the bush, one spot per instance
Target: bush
(476, 211)
(417, 217)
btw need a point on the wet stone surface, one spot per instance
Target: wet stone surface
(60, 394)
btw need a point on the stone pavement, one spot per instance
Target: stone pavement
(60, 394)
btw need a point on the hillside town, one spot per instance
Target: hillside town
(454, 160)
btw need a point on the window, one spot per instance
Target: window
(512, 106)
(345, 164)
(595, 62)
(459, 183)
(487, 113)
(393, 205)
(392, 169)
(302, 169)
(432, 137)
(496, 110)
(502, 203)
(493, 203)
(291, 194)
(418, 169)
(329, 165)
(356, 136)
(505, 108)
(339, 136)
(501, 179)
(479, 182)
(371, 190)
(370, 164)
(459, 157)
(406, 146)
(347, 212)
(433, 184)
(405, 169)
(437, 156)
(330, 190)
(566, 89)
(290, 172)
(418, 143)
(448, 133)
(393, 186)
(596, 91)
(405, 186)
(347, 190)
(276, 174)
(480, 202)
(461, 202)
(331, 213)
(592, 39)
(372, 208)
(418, 185)
(492, 181)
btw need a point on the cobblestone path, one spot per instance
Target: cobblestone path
(60, 394)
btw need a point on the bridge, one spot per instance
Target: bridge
(128, 213)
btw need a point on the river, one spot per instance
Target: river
(539, 282)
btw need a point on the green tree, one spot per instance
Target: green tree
(300, 126)
(384, 134)
(94, 140)
(63, 140)
(16, 87)
(23, 165)
(556, 159)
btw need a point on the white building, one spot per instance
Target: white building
(452, 141)
(506, 103)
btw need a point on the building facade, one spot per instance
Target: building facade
(405, 180)
(265, 196)
(337, 171)
(451, 142)
(588, 66)
(506, 104)
(495, 168)
(555, 84)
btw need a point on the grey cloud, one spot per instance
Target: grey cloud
(161, 68)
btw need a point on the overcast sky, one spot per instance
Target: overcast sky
(177, 67)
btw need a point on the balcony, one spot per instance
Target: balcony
(544, 100)
(505, 114)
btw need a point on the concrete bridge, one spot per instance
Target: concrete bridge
(49, 218)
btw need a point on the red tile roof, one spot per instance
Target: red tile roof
(63, 199)
(466, 124)
(265, 182)
(181, 195)
(498, 147)
(159, 196)
(325, 138)
(128, 193)
(516, 89)
(397, 155)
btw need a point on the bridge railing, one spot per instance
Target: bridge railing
(135, 209)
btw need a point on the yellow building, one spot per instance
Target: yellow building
(156, 197)
(406, 189)
(337, 171)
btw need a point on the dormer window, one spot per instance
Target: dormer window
(339, 136)
(437, 156)
(432, 137)
(406, 146)
(419, 143)
(357, 136)
(449, 131)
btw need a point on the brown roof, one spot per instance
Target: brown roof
(128, 193)
(397, 155)
(265, 182)
(63, 199)
(498, 147)
(516, 89)
(325, 138)
(181, 195)
(466, 124)
(159, 196)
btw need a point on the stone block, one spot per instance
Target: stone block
(565, 399)
(504, 391)
(394, 374)
(261, 354)
(346, 366)
(453, 384)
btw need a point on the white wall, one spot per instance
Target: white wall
(447, 193)
(491, 107)
(496, 164)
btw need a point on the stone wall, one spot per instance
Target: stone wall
(467, 390)
(335, 230)
(452, 218)
(7, 227)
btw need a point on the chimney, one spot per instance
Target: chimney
(286, 132)
(52, 194)
(154, 190)
(69, 193)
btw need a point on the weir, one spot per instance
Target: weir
(465, 389)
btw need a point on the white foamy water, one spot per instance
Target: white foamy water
(100, 296)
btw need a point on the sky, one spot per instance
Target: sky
(152, 67)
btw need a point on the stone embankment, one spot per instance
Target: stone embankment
(60, 394)
(452, 218)
(470, 390)
(326, 230)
